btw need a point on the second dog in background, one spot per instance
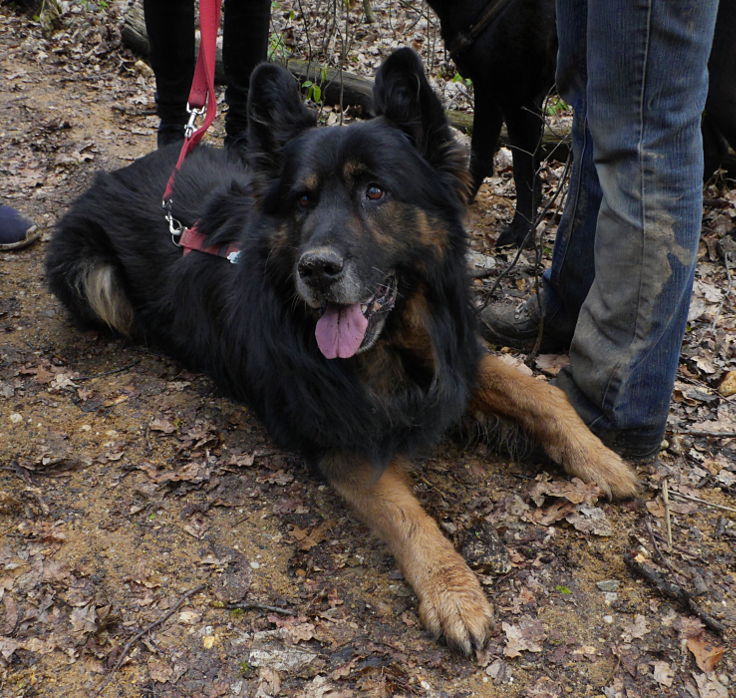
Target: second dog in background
(509, 51)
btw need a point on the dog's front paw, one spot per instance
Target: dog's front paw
(607, 469)
(452, 606)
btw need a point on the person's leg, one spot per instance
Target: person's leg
(646, 87)
(244, 46)
(170, 28)
(567, 282)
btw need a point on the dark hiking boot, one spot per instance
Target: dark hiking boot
(634, 447)
(517, 326)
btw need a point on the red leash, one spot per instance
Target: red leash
(202, 100)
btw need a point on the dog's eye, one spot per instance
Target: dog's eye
(374, 192)
(305, 200)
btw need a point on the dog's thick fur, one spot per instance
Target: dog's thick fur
(326, 219)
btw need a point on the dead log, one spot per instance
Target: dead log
(338, 87)
(48, 13)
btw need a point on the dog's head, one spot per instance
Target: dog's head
(362, 213)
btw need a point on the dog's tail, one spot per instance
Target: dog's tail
(99, 285)
(82, 274)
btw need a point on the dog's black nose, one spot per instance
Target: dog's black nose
(320, 267)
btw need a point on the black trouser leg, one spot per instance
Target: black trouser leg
(170, 27)
(245, 44)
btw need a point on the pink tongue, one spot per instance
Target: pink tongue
(340, 330)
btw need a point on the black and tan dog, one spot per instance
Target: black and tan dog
(346, 323)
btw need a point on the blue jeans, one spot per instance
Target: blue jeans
(635, 72)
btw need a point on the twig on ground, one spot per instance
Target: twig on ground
(667, 517)
(705, 502)
(109, 373)
(672, 591)
(705, 432)
(129, 644)
(658, 552)
(258, 606)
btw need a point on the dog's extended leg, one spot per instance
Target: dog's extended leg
(544, 411)
(487, 122)
(451, 601)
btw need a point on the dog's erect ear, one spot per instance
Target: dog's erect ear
(403, 96)
(276, 114)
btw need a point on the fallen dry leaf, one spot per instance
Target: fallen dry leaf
(309, 539)
(590, 520)
(663, 673)
(269, 682)
(575, 490)
(302, 632)
(706, 654)
(84, 619)
(710, 687)
(727, 386)
(635, 630)
(269, 651)
(162, 425)
(526, 636)
(551, 514)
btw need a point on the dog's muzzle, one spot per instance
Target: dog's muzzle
(351, 316)
(321, 269)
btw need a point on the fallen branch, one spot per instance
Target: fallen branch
(129, 644)
(667, 517)
(704, 502)
(108, 373)
(705, 432)
(672, 591)
(259, 607)
(660, 555)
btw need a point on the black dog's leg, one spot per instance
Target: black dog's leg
(715, 146)
(487, 121)
(525, 126)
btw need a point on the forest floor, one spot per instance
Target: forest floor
(154, 542)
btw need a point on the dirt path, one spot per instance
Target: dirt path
(134, 499)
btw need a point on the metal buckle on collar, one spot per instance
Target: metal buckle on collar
(176, 227)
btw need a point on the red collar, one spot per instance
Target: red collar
(192, 239)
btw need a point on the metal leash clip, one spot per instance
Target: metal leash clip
(176, 227)
(194, 112)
